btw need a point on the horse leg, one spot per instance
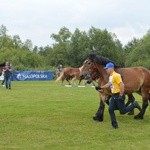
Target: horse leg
(131, 99)
(68, 81)
(99, 116)
(142, 112)
(145, 97)
(80, 81)
(63, 78)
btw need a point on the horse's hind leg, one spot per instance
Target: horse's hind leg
(142, 112)
(131, 99)
(68, 81)
(145, 97)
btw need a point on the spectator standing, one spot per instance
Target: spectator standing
(59, 70)
(3, 79)
(57, 73)
(7, 75)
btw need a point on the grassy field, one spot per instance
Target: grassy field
(48, 116)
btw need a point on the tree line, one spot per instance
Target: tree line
(70, 49)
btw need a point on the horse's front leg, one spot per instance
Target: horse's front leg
(80, 81)
(99, 116)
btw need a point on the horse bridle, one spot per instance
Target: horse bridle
(92, 68)
(91, 64)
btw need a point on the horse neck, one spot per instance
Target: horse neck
(80, 68)
(119, 70)
(102, 72)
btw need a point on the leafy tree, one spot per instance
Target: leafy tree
(63, 36)
(79, 48)
(18, 53)
(70, 49)
(3, 30)
(17, 41)
(28, 45)
(106, 44)
(62, 41)
(140, 53)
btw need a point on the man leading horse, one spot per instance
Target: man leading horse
(117, 100)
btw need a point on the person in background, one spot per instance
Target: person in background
(7, 75)
(59, 70)
(3, 79)
(57, 73)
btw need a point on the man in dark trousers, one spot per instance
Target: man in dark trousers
(7, 75)
(117, 100)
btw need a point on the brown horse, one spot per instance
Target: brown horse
(69, 74)
(136, 79)
(90, 77)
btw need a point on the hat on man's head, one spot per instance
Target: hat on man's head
(109, 65)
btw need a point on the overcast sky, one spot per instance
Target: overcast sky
(38, 19)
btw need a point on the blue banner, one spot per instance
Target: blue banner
(31, 75)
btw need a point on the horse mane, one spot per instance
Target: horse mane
(101, 60)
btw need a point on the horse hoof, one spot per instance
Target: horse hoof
(95, 118)
(138, 117)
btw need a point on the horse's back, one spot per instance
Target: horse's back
(137, 71)
(71, 71)
(135, 77)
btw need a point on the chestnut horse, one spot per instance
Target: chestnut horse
(136, 79)
(69, 74)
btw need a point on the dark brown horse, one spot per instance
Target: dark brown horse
(69, 74)
(136, 79)
(93, 75)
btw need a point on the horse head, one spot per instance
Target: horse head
(90, 65)
(93, 63)
(86, 68)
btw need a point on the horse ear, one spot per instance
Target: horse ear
(92, 57)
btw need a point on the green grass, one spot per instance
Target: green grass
(48, 116)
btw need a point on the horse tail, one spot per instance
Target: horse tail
(60, 76)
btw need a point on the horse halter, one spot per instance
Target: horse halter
(91, 69)
(89, 64)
